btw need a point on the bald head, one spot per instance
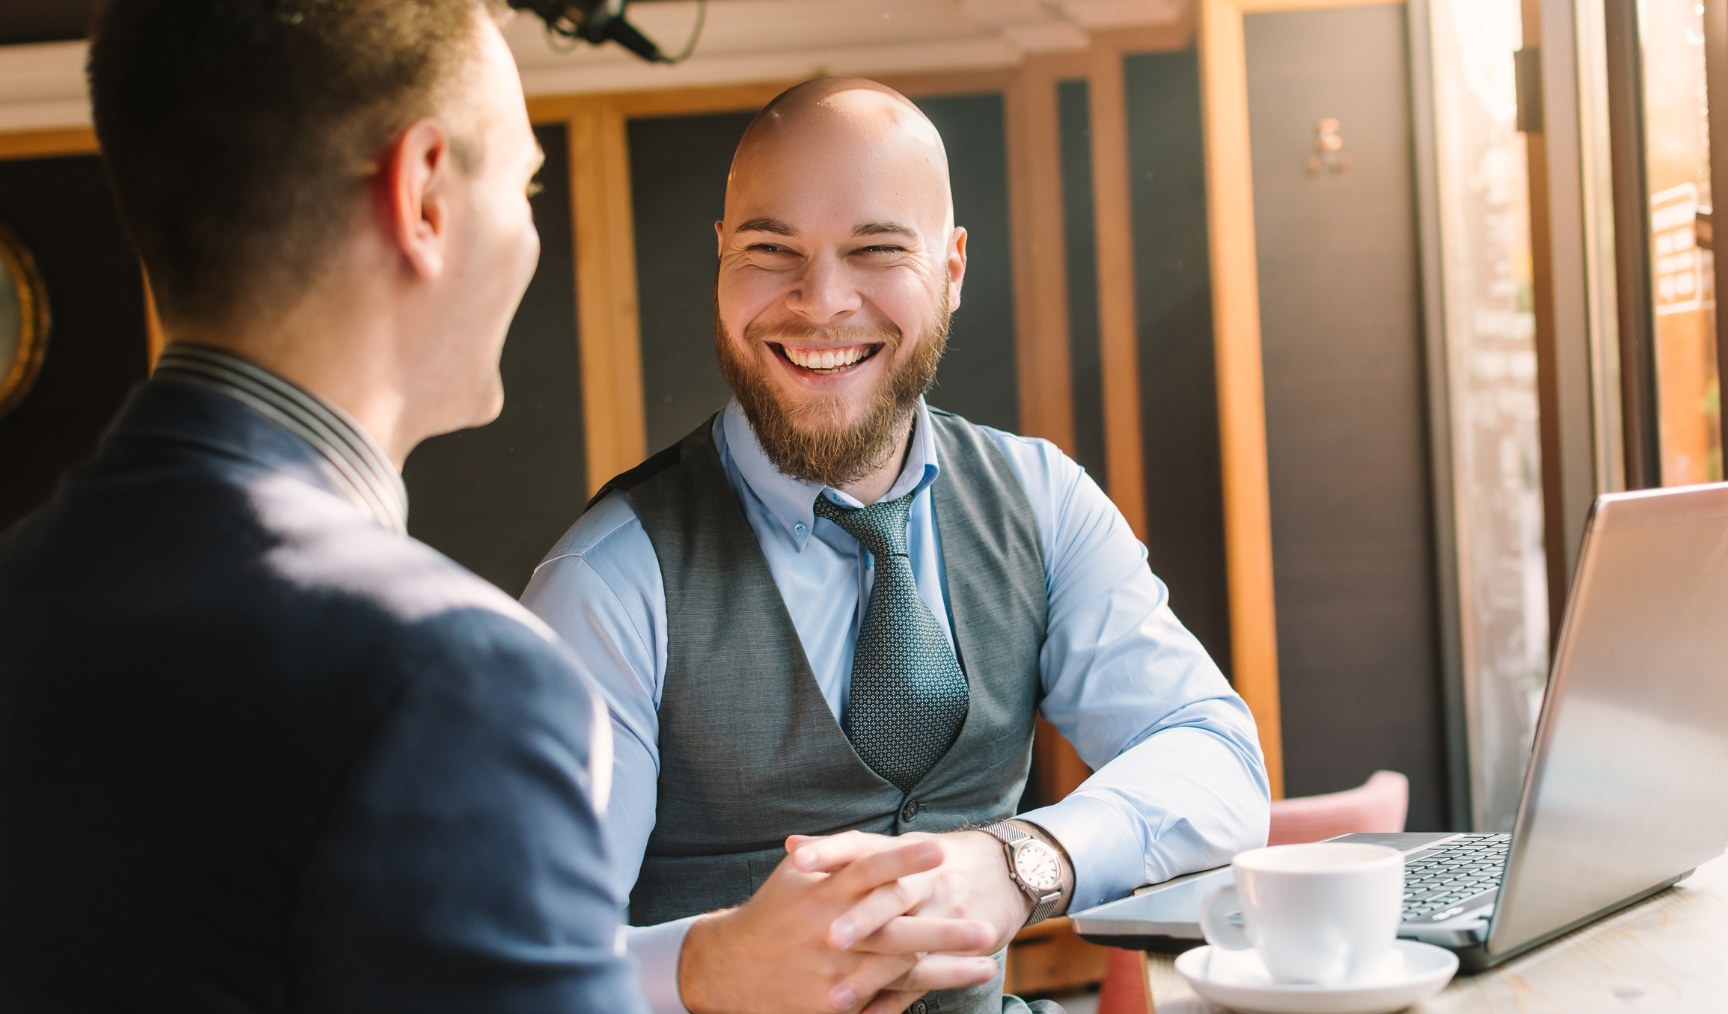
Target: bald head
(839, 265)
(856, 137)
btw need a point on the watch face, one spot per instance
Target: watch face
(1037, 865)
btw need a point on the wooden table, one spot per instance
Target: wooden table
(1668, 954)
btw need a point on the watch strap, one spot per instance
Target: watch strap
(1045, 906)
(1009, 836)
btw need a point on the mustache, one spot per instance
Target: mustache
(808, 440)
(820, 334)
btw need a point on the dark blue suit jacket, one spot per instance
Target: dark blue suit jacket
(259, 754)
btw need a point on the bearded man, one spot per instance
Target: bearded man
(835, 612)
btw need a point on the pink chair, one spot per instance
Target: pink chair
(1124, 989)
(1376, 805)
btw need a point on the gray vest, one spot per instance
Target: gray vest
(750, 752)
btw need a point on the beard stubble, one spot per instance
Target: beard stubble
(811, 441)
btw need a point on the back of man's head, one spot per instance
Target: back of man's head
(239, 134)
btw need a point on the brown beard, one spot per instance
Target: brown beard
(809, 442)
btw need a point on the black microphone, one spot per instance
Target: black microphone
(600, 21)
(625, 34)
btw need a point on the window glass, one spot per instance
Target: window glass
(1491, 375)
(1677, 171)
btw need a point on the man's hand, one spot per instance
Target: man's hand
(831, 939)
(970, 882)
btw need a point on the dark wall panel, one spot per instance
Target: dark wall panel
(1346, 420)
(1178, 382)
(678, 168)
(61, 210)
(1080, 242)
(978, 377)
(495, 499)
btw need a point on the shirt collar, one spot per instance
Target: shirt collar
(793, 502)
(350, 458)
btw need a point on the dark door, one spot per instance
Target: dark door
(1346, 420)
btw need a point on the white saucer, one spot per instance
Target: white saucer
(1236, 979)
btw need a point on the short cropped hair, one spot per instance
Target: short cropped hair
(240, 135)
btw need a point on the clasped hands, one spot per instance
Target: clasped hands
(857, 923)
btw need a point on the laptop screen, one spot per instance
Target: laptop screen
(1628, 783)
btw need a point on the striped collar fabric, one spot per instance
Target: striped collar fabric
(354, 463)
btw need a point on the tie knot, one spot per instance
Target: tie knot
(880, 527)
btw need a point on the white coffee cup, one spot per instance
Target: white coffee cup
(1321, 914)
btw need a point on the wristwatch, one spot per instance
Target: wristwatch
(1034, 867)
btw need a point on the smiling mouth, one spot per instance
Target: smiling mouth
(826, 360)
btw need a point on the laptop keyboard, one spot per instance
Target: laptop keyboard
(1440, 879)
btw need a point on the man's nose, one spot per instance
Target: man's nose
(825, 291)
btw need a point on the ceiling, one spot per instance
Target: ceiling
(44, 20)
(42, 86)
(25, 21)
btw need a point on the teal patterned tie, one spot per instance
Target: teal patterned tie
(909, 694)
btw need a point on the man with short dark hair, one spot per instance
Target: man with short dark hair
(260, 750)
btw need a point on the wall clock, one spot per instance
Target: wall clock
(23, 321)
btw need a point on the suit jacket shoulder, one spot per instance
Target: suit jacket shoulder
(241, 723)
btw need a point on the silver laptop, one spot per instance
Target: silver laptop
(1627, 787)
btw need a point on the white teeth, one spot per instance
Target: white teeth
(826, 358)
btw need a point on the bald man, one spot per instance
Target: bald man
(833, 611)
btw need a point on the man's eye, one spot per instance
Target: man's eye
(770, 248)
(880, 249)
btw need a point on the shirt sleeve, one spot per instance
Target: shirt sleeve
(600, 590)
(461, 866)
(1180, 783)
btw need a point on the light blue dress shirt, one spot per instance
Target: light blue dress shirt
(1180, 783)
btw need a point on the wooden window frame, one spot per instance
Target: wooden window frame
(21, 144)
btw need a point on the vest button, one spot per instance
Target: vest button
(909, 811)
(918, 1008)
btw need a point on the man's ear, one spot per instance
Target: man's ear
(719, 239)
(956, 267)
(416, 176)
